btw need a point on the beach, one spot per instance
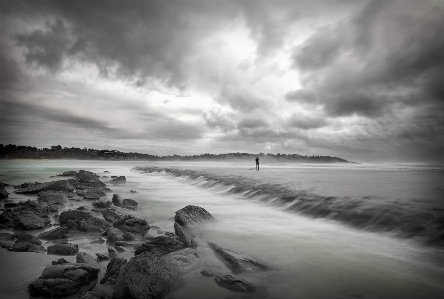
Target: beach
(279, 215)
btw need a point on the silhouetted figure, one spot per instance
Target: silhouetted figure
(257, 163)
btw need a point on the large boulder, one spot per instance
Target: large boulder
(113, 270)
(69, 173)
(39, 208)
(114, 235)
(182, 235)
(160, 245)
(87, 176)
(75, 215)
(129, 204)
(63, 280)
(63, 248)
(54, 234)
(93, 224)
(118, 179)
(28, 220)
(52, 197)
(101, 204)
(145, 277)
(129, 223)
(7, 237)
(234, 283)
(192, 216)
(111, 215)
(237, 261)
(182, 258)
(90, 195)
(83, 257)
(27, 247)
(27, 237)
(62, 185)
(3, 193)
(117, 200)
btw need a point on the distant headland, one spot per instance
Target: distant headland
(12, 151)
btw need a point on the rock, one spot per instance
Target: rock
(207, 273)
(62, 185)
(145, 277)
(112, 271)
(6, 244)
(129, 223)
(132, 191)
(119, 179)
(181, 234)
(87, 176)
(114, 235)
(26, 237)
(91, 196)
(39, 208)
(128, 236)
(193, 244)
(160, 245)
(82, 208)
(28, 220)
(71, 224)
(69, 173)
(63, 280)
(111, 215)
(237, 261)
(234, 283)
(129, 204)
(182, 258)
(83, 257)
(111, 253)
(93, 224)
(63, 248)
(52, 197)
(74, 215)
(102, 256)
(60, 261)
(192, 216)
(7, 237)
(54, 234)
(117, 200)
(27, 247)
(100, 204)
(119, 249)
(95, 294)
(11, 204)
(3, 193)
(99, 241)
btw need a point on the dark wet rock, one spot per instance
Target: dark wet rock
(182, 258)
(101, 204)
(234, 283)
(112, 253)
(111, 215)
(145, 277)
(95, 294)
(192, 216)
(237, 261)
(27, 247)
(83, 257)
(119, 179)
(69, 173)
(93, 224)
(39, 208)
(193, 243)
(62, 185)
(119, 249)
(91, 196)
(27, 237)
(82, 208)
(54, 234)
(74, 215)
(117, 200)
(99, 241)
(11, 204)
(132, 191)
(129, 223)
(114, 235)
(52, 197)
(112, 271)
(128, 236)
(87, 176)
(181, 234)
(7, 237)
(6, 244)
(28, 220)
(102, 256)
(63, 280)
(207, 273)
(129, 204)
(3, 193)
(160, 245)
(80, 193)
(60, 261)
(71, 224)
(63, 248)
(7, 219)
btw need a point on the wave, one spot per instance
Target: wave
(405, 219)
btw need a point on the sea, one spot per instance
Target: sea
(326, 230)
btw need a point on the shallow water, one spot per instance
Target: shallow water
(311, 258)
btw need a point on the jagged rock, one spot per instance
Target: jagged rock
(145, 277)
(111, 215)
(119, 179)
(234, 283)
(102, 256)
(26, 237)
(95, 294)
(3, 193)
(237, 261)
(11, 204)
(27, 247)
(91, 196)
(99, 241)
(182, 258)
(112, 271)
(54, 234)
(83, 257)
(129, 204)
(111, 253)
(119, 249)
(74, 215)
(181, 234)
(69, 173)
(63, 248)
(93, 224)
(6, 244)
(7, 237)
(39, 208)
(63, 280)
(114, 235)
(87, 176)
(52, 197)
(207, 273)
(7, 219)
(132, 224)
(128, 236)
(160, 245)
(62, 185)
(28, 220)
(100, 204)
(192, 216)
(71, 223)
(117, 200)
(60, 261)
(82, 208)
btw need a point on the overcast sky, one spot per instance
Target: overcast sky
(362, 80)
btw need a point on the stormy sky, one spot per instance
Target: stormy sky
(362, 80)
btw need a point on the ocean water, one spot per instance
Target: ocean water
(328, 231)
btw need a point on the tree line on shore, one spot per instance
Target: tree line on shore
(12, 151)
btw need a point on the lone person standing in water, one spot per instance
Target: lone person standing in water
(257, 163)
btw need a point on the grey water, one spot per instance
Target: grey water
(312, 256)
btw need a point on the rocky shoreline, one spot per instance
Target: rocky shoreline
(133, 263)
